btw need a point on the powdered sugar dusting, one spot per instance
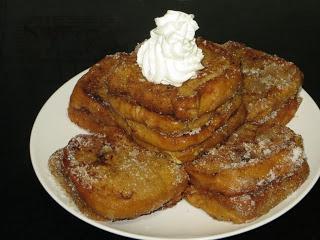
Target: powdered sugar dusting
(122, 167)
(194, 131)
(276, 153)
(243, 204)
(271, 176)
(297, 153)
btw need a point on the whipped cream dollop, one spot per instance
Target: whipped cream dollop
(170, 55)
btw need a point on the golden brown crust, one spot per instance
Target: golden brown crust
(116, 179)
(90, 100)
(218, 82)
(112, 178)
(247, 207)
(181, 141)
(283, 114)
(94, 120)
(279, 117)
(91, 90)
(86, 107)
(218, 136)
(269, 81)
(162, 123)
(246, 165)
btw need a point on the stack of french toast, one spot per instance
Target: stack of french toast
(219, 140)
(181, 121)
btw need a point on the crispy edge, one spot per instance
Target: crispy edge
(78, 193)
(261, 105)
(167, 100)
(56, 169)
(221, 134)
(231, 182)
(280, 117)
(178, 143)
(159, 122)
(85, 108)
(229, 209)
(283, 114)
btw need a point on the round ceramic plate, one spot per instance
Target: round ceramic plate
(52, 130)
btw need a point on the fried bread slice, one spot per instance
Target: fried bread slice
(261, 156)
(91, 102)
(91, 107)
(217, 137)
(160, 122)
(269, 81)
(247, 207)
(214, 85)
(110, 177)
(283, 114)
(279, 117)
(87, 108)
(181, 141)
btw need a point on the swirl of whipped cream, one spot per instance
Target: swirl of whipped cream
(170, 55)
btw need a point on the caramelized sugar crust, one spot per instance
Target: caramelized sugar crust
(257, 168)
(110, 177)
(247, 207)
(252, 158)
(251, 172)
(214, 85)
(269, 81)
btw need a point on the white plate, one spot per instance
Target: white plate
(52, 130)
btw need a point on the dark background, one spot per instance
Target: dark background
(45, 43)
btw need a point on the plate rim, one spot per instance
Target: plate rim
(97, 224)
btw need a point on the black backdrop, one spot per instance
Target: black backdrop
(45, 43)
